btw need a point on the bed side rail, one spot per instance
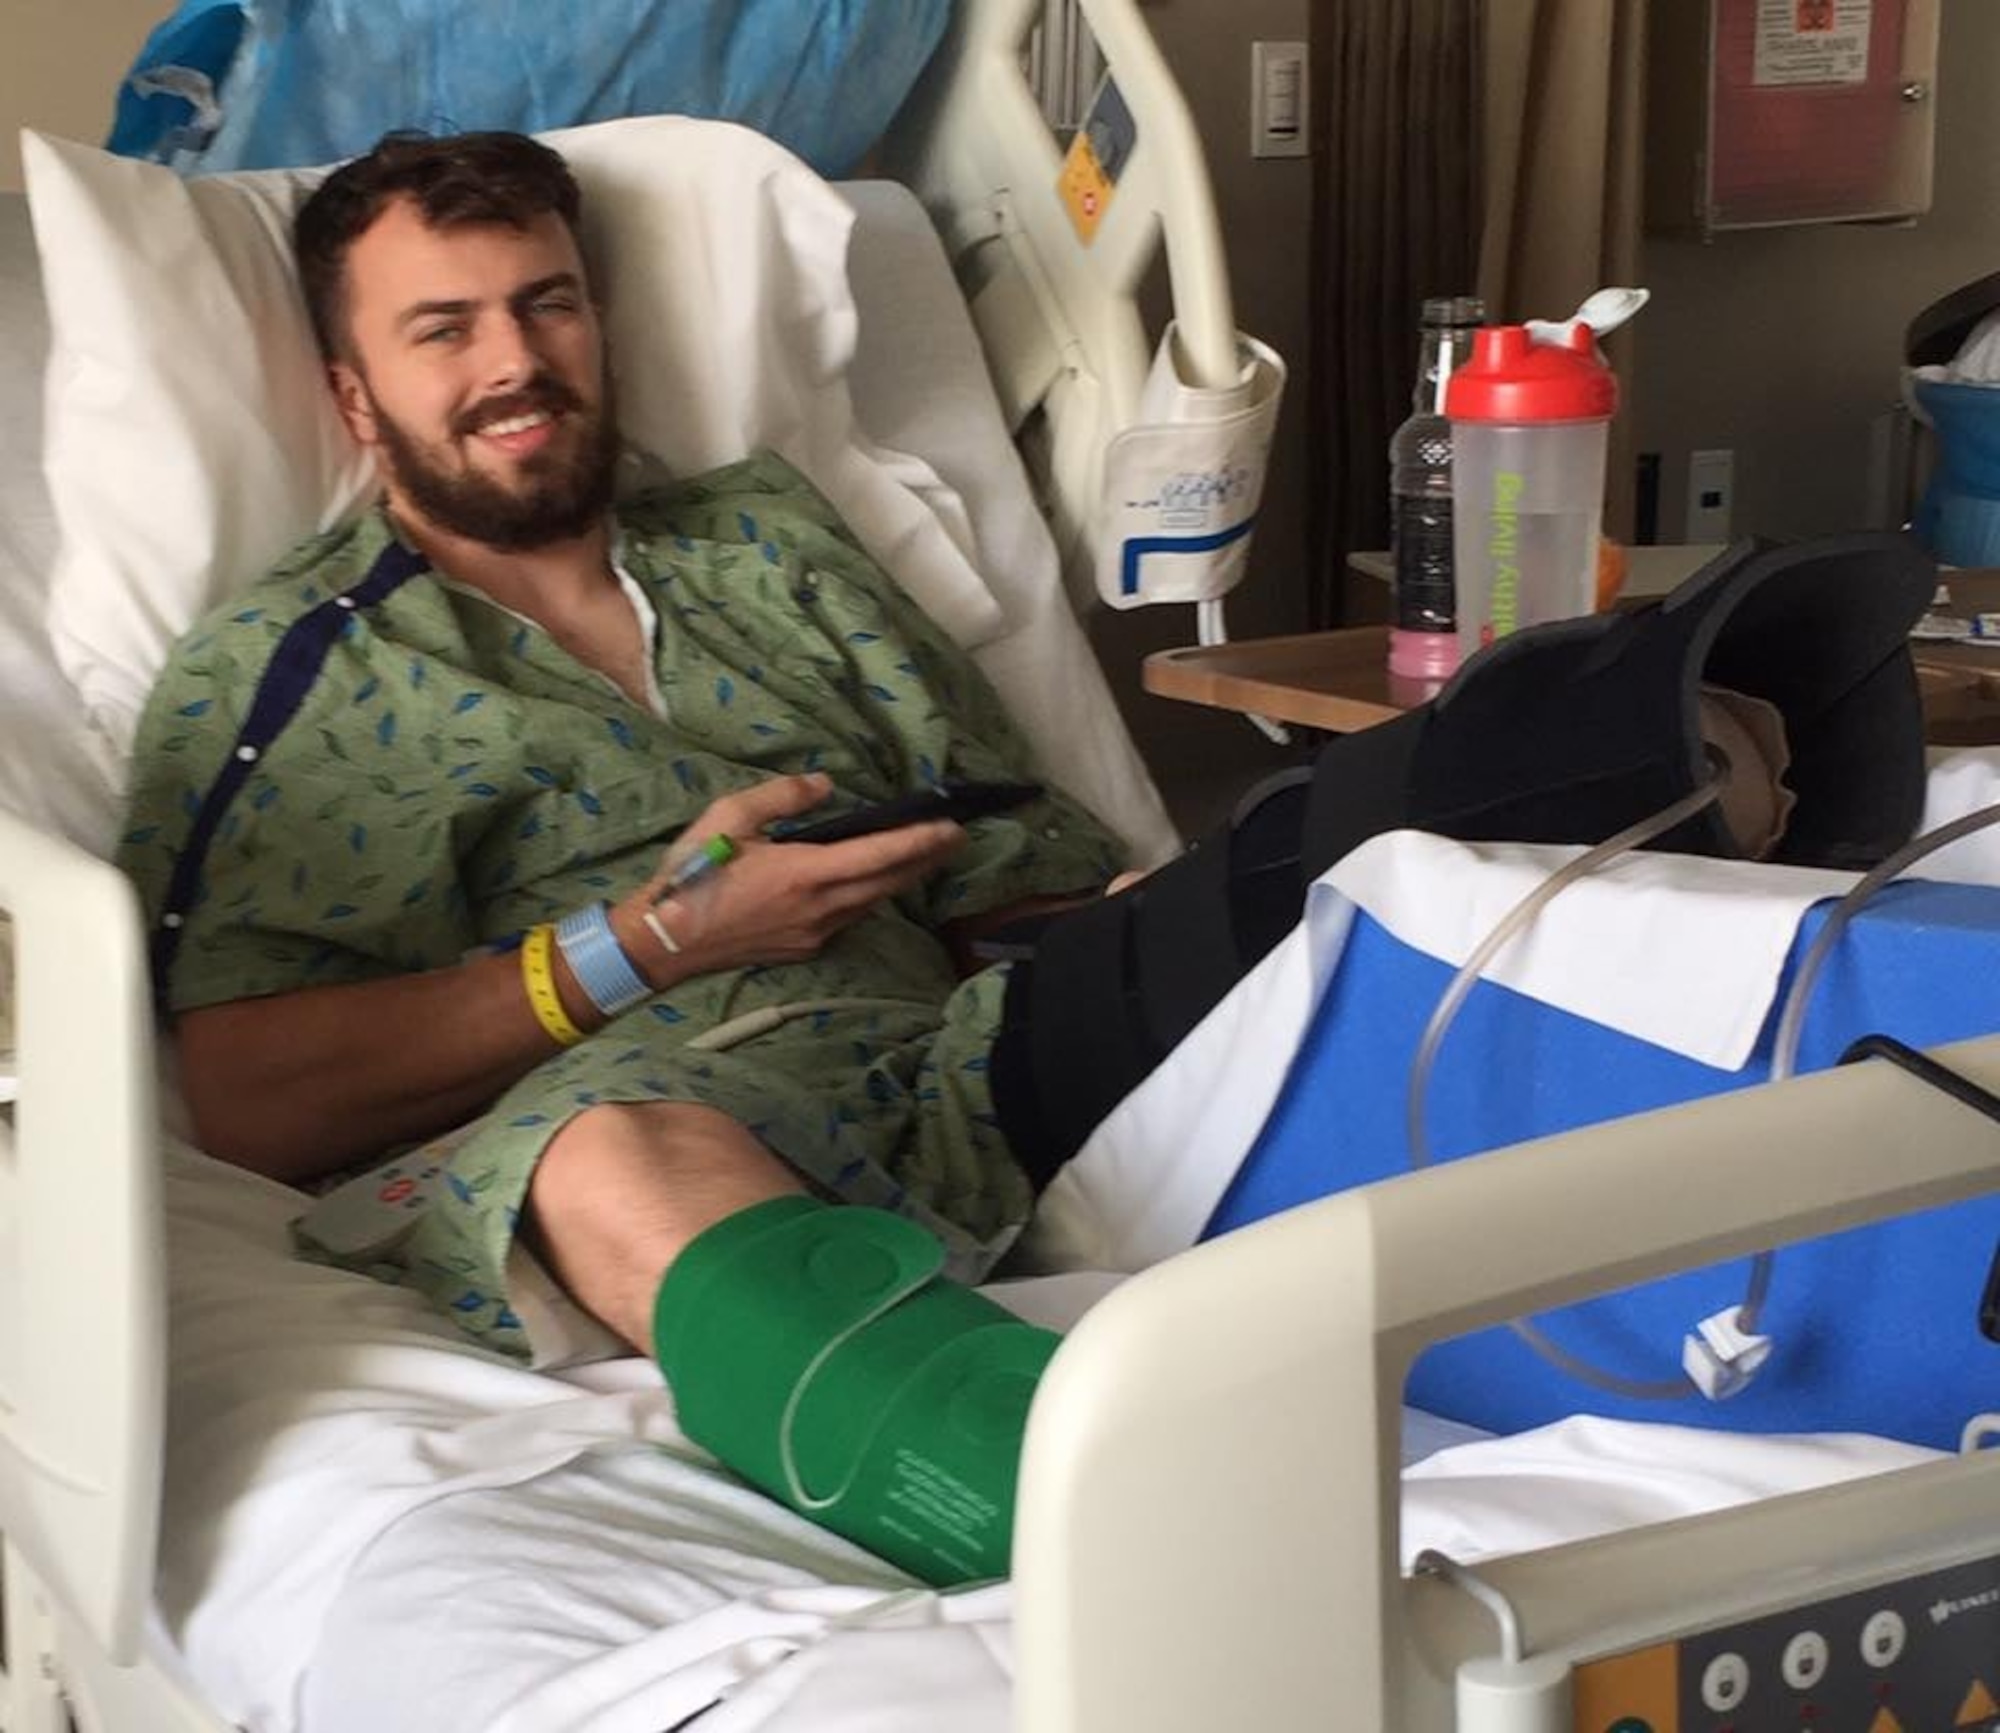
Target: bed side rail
(1209, 1502)
(82, 1255)
(1056, 313)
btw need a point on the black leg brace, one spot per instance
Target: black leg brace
(1564, 733)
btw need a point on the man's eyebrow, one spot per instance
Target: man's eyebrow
(519, 298)
(542, 285)
(432, 309)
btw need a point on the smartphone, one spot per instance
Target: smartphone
(948, 799)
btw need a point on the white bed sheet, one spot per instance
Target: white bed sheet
(373, 1524)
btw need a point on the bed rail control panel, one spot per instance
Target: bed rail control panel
(1917, 1656)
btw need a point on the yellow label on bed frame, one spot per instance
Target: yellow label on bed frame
(1096, 158)
(1086, 189)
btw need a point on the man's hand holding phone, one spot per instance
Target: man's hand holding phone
(953, 799)
(754, 899)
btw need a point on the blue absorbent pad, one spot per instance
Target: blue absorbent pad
(245, 84)
(1877, 1328)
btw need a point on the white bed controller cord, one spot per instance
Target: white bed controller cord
(750, 1024)
(1722, 1354)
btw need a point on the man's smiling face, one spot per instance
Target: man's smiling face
(473, 367)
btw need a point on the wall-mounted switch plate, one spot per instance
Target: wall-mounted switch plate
(1711, 495)
(1280, 105)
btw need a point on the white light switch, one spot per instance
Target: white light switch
(1280, 105)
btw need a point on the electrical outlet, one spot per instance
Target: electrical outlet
(1280, 112)
(1711, 497)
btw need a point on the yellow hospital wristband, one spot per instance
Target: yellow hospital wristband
(538, 975)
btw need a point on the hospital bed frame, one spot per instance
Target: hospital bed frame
(1269, 1364)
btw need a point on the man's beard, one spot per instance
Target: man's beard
(563, 494)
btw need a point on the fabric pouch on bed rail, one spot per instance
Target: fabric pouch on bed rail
(1181, 488)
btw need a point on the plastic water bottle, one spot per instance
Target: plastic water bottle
(1423, 642)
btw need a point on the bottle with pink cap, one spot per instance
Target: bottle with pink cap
(1530, 422)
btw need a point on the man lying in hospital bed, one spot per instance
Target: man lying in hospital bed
(397, 817)
(471, 722)
(392, 1564)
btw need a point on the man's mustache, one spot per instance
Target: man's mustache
(543, 392)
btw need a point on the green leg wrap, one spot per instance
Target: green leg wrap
(816, 1352)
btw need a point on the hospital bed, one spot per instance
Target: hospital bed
(236, 1489)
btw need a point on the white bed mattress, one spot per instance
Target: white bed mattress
(373, 1525)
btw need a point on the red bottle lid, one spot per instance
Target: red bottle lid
(1510, 378)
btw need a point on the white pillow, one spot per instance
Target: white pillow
(190, 441)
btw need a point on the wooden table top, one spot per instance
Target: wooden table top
(1340, 682)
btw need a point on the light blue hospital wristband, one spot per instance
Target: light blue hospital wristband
(598, 961)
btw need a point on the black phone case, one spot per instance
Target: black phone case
(954, 800)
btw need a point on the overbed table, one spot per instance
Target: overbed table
(1339, 681)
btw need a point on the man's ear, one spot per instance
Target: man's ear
(351, 398)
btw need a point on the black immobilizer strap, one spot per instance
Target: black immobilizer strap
(281, 691)
(1115, 986)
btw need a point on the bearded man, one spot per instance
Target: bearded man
(414, 817)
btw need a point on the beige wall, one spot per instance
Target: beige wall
(1783, 343)
(60, 62)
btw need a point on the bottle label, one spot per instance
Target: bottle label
(1420, 542)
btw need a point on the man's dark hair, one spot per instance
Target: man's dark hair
(472, 177)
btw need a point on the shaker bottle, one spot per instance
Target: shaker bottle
(1529, 426)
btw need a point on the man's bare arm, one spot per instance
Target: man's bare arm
(301, 1084)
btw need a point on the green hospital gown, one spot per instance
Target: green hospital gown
(453, 776)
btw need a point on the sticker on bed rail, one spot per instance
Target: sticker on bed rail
(1097, 157)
